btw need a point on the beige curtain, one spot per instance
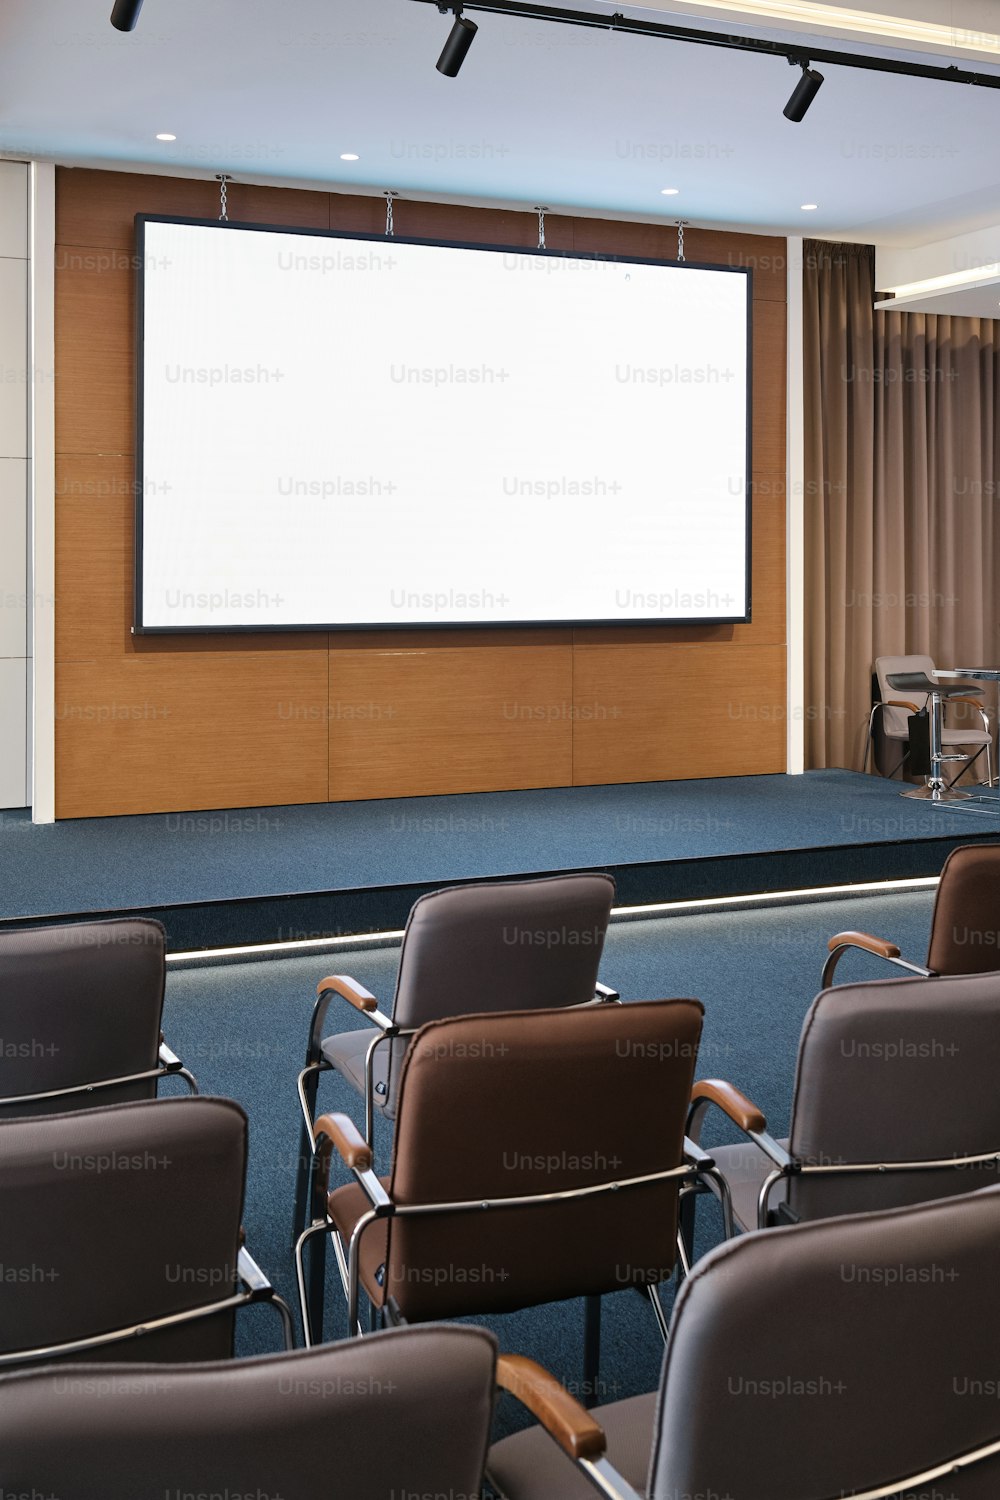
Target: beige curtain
(902, 467)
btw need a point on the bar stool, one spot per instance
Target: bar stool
(936, 789)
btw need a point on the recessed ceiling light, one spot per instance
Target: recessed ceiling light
(166, 136)
(669, 192)
(808, 207)
(349, 156)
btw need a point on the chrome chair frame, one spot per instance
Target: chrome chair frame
(609, 1483)
(839, 949)
(256, 1286)
(170, 1067)
(697, 1172)
(786, 1166)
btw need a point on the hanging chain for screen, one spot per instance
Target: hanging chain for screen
(390, 228)
(541, 211)
(680, 238)
(223, 179)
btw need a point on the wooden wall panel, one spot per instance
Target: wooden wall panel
(98, 208)
(769, 401)
(715, 710)
(178, 732)
(94, 359)
(462, 717)
(221, 740)
(94, 509)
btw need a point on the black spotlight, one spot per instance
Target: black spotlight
(456, 48)
(125, 14)
(803, 94)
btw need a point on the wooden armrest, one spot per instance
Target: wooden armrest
(741, 1110)
(341, 1133)
(972, 702)
(876, 945)
(350, 990)
(900, 703)
(562, 1416)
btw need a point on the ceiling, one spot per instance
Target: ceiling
(580, 120)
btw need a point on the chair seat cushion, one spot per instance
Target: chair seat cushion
(964, 736)
(346, 1205)
(530, 1466)
(948, 736)
(347, 1051)
(744, 1167)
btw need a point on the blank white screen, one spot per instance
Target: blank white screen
(345, 432)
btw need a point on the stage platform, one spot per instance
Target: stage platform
(279, 874)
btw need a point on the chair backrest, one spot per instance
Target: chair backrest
(498, 945)
(536, 1103)
(111, 1217)
(965, 926)
(403, 1413)
(891, 1071)
(832, 1359)
(894, 719)
(79, 1002)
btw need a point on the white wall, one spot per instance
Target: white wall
(15, 647)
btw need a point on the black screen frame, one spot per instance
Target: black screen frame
(223, 225)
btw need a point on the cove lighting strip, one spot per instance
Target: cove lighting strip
(864, 22)
(970, 277)
(353, 940)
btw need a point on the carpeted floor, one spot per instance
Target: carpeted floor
(96, 864)
(242, 1027)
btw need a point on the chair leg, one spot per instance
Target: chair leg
(970, 761)
(591, 1349)
(661, 1317)
(318, 1230)
(317, 1286)
(309, 1086)
(686, 1225)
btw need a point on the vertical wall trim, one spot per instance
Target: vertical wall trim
(42, 486)
(795, 517)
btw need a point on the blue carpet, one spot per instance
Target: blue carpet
(242, 1027)
(102, 864)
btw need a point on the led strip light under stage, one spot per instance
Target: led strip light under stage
(621, 913)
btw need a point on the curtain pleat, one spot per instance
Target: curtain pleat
(902, 465)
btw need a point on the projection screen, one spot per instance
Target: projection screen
(340, 431)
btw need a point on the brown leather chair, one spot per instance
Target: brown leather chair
(406, 1414)
(497, 945)
(853, 1357)
(965, 925)
(80, 1011)
(122, 1229)
(895, 1103)
(538, 1156)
